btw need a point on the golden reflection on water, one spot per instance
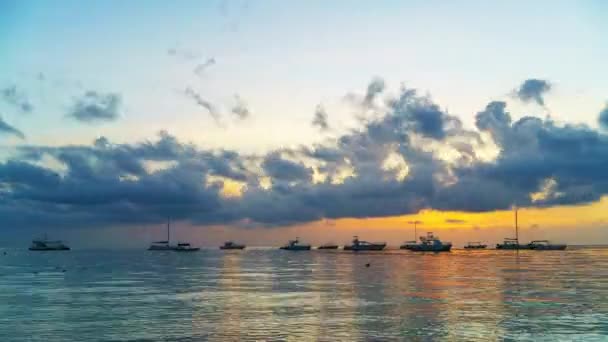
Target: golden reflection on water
(307, 296)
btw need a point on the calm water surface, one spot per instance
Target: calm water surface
(215, 295)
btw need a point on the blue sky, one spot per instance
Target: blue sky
(86, 87)
(284, 58)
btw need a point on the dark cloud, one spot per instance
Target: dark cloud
(95, 107)
(240, 108)
(282, 169)
(320, 118)
(208, 106)
(539, 163)
(17, 98)
(603, 118)
(5, 128)
(533, 90)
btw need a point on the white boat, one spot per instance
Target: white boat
(295, 245)
(431, 243)
(45, 244)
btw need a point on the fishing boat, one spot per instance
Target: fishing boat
(328, 246)
(184, 247)
(360, 245)
(232, 245)
(545, 245)
(167, 246)
(295, 245)
(431, 243)
(475, 245)
(512, 243)
(45, 244)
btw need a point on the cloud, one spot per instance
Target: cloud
(533, 90)
(202, 67)
(95, 107)
(456, 221)
(603, 118)
(281, 169)
(240, 108)
(5, 128)
(208, 106)
(374, 88)
(17, 98)
(539, 163)
(320, 118)
(185, 54)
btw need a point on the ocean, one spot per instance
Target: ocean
(272, 295)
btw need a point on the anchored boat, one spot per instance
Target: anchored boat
(545, 245)
(166, 245)
(45, 244)
(360, 245)
(295, 245)
(512, 243)
(328, 246)
(184, 247)
(475, 245)
(431, 243)
(232, 245)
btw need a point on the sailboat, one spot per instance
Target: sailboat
(512, 243)
(166, 245)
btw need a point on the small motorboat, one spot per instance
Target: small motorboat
(45, 244)
(360, 245)
(328, 246)
(475, 245)
(408, 245)
(184, 247)
(545, 245)
(295, 245)
(232, 245)
(431, 243)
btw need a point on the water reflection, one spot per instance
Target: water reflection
(309, 296)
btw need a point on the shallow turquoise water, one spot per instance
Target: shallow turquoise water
(261, 294)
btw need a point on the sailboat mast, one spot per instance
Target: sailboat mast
(168, 235)
(516, 227)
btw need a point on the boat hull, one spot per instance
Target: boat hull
(295, 248)
(232, 247)
(327, 247)
(475, 247)
(364, 248)
(186, 250)
(512, 247)
(49, 248)
(548, 248)
(419, 248)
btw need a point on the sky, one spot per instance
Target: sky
(262, 120)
